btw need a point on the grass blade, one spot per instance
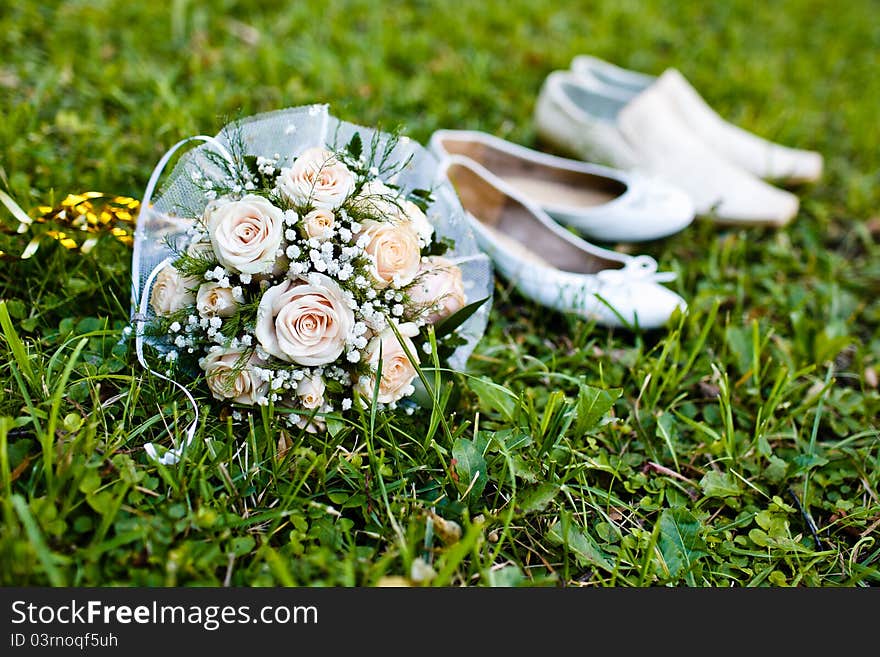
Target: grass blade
(19, 352)
(44, 554)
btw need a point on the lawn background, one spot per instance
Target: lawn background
(738, 448)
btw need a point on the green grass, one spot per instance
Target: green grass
(738, 448)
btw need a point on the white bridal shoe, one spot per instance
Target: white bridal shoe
(764, 158)
(600, 202)
(550, 265)
(644, 132)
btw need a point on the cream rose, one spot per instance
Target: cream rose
(382, 202)
(378, 200)
(394, 250)
(420, 223)
(397, 370)
(304, 322)
(245, 234)
(232, 376)
(319, 223)
(310, 391)
(171, 291)
(213, 300)
(438, 289)
(316, 178)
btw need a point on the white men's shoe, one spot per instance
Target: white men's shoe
(603, 203)
(764, 158)
(550, 265)
(645, 133)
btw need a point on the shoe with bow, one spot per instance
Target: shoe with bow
(553, 267)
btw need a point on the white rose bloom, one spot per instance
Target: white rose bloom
(378, 200)
(230, 376)
(304, 323)
(213, 300)
(310, 391)
(316, 178)
(438, 289)
(245, 234)
(420, 223)
(318, 223)
(383, 202)
(397, 370)
(171, 291)
(394, 250)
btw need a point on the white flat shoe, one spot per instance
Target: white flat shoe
(550, 265)
(762, 157)
(603, 203)
(646, 133)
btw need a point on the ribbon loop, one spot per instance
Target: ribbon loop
(640, 268)
(172, 456)
(140, 297)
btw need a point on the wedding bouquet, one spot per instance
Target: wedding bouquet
(307, 268)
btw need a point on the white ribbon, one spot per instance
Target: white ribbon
(140, 298)
(638, 268)
(172, 456)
